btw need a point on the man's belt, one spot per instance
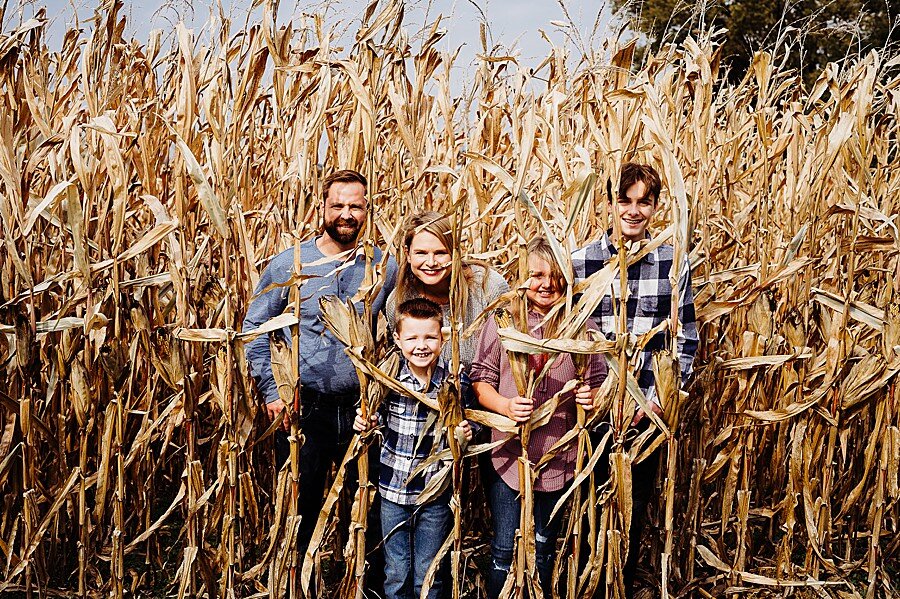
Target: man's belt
(317, 398)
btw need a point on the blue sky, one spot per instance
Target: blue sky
(513, 23)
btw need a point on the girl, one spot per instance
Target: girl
(496, 390)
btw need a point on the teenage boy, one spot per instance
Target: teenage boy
(412, 432)
(329, 390)
(649, 303)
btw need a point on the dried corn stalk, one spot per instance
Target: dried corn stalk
(143, 185)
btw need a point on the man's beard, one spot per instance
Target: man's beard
(333, 231)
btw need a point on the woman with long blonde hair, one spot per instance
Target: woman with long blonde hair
(425, 263)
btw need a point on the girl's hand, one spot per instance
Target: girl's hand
(464, 429)
(584, 396)
(359, 423)
(520, 408)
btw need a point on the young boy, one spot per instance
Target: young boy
(412, 432)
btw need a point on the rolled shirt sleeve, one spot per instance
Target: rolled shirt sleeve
(486, 365)
(688, 338)
(265, 306)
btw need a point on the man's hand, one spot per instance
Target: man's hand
(640, 414)
(273, 409)
(584, 396)
(359, 423)
(520, 408)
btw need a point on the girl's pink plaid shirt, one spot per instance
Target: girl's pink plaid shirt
(491, 366)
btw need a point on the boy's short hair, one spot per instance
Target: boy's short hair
(419, 308)
(632, 172)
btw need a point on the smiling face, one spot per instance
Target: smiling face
(635, 211)
(345, 212)
(419, 340)
(543, 286)
(429, 260)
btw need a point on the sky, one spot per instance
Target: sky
(514, 24)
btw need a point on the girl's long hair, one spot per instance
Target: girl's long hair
(408, 286)
(540, 247)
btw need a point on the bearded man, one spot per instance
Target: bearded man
(329, 390)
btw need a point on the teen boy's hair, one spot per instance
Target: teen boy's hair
(633, 172)
(420, 309)
(343, 176)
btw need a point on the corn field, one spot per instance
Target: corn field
(144, 186)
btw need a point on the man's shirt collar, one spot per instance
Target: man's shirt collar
(613, 249)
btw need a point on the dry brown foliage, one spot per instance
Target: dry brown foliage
(143, 186)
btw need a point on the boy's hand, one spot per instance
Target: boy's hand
(520, 408)
(464, 430)
(359, 423)
(584, 396)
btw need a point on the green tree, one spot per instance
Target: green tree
(808, 33)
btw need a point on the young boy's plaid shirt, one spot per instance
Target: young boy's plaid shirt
(410, 429)
(649, 303)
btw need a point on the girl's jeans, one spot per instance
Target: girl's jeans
(505, 513)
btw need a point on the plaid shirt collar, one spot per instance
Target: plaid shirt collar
(613, 249)
(411, 382)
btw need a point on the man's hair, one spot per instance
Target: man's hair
(633, 172)
(342, 176)
(419, 308)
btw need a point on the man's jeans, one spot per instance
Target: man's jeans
(327, 430)
(505, 512)
(413, 535)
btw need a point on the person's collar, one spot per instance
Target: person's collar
(532, 313)
(437, 374)
(613, 248)
(354, 253)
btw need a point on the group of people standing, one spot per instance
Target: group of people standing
(415, 299)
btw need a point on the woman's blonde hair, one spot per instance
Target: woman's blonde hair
(408, 286)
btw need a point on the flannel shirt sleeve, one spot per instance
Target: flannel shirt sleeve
(688, 338)
(579, 264)
(596, 367)
(469, 401)
(263, 308)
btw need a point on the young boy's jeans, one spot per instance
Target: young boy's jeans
(413, 535)
(505, 512)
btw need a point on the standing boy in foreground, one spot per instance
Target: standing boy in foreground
(413, 533)
(648, 304)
